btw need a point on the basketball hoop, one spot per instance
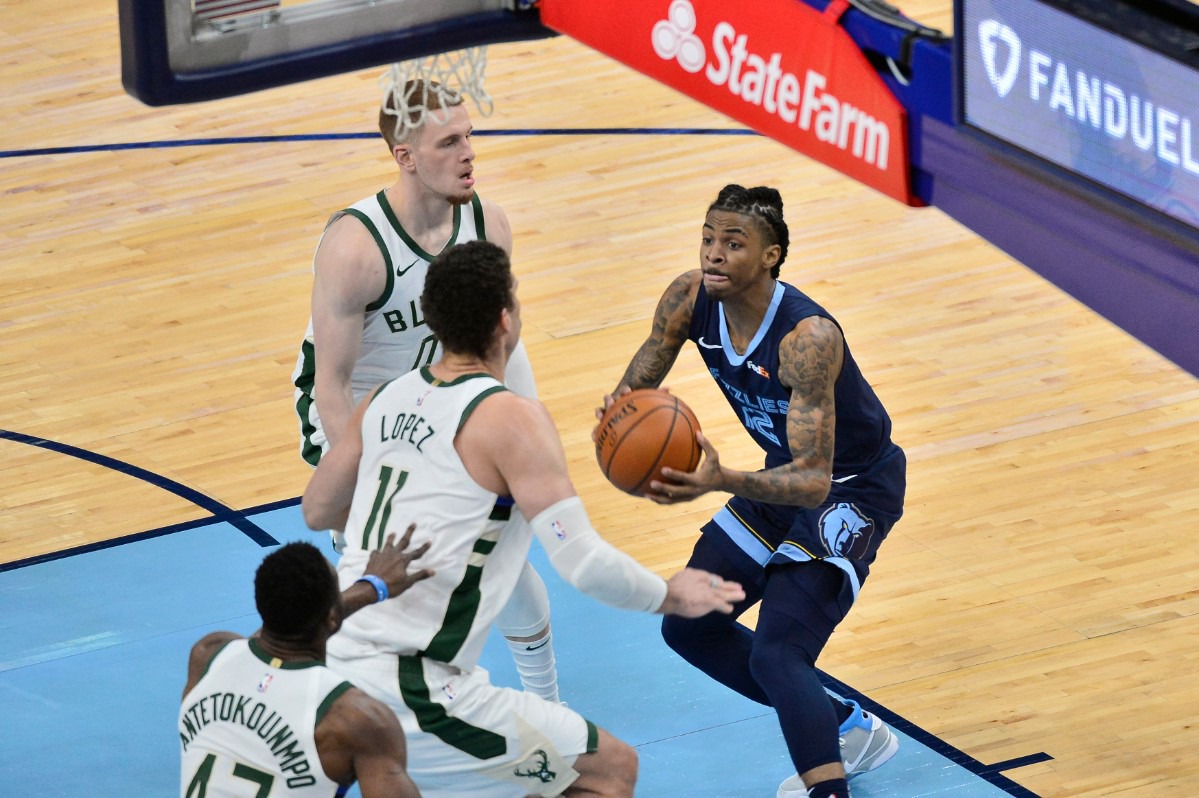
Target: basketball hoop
(448, 77)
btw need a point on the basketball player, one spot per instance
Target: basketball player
(801, 533)
(367, 327)
(451, 446)
(265, 714)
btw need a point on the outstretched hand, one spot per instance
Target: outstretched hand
(693, 593)
(391, 562)
(682, 486)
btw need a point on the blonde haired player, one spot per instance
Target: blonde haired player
(367, 327)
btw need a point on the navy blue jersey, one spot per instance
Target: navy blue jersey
(751, 384)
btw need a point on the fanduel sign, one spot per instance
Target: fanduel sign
(779, 66)
(1086, 99)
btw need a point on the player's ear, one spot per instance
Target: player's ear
(771, 255)
(402, 153)
(334, 618)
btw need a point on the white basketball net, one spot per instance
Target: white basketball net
(447, 76)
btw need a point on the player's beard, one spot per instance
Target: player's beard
(461, 198)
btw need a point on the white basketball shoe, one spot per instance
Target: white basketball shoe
(866, 743)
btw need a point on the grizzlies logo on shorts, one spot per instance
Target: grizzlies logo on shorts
(845, 531)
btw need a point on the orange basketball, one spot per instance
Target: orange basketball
(642, 432)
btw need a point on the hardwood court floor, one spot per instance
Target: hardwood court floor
(1039, 595)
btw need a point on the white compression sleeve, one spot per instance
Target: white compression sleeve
(518, 376)
(593, 565)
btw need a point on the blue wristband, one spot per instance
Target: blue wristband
(378, 584)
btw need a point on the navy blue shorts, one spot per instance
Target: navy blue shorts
(845, 531)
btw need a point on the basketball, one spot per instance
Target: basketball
(643, 432)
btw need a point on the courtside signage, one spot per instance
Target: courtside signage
(1090, 101)
(778, 66)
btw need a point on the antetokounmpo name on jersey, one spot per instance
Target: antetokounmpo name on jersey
(258, 718)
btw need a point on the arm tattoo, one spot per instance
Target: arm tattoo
(672, 320)
(809, 364)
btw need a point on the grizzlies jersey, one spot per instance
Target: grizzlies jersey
(866, 497)
(249, 725)
(395, 338)
(410, 472)
(750, 383)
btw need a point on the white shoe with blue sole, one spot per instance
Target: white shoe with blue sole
(866, 743)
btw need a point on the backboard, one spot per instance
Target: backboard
(173, 52)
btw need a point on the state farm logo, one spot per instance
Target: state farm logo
(759, 79)
(674, 37)
(991, 33)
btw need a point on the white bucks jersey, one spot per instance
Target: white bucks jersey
(410, 472)
(395, 338)
(248, 727)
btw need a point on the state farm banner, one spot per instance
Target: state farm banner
(779, 66)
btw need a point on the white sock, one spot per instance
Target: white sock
(536, 665)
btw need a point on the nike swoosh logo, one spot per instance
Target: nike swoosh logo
(406, 269)
(708, 346)
(539, 645)
(845, 479)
